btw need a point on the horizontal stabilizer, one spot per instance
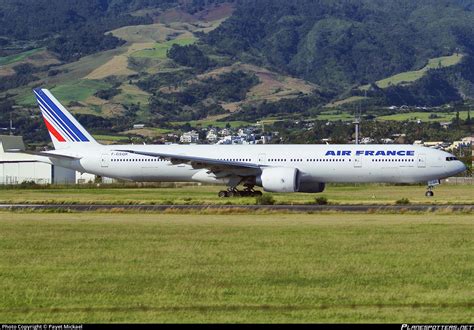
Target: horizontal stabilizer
(43, 154)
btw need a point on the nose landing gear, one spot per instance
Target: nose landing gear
(431, 184)
(429, 192)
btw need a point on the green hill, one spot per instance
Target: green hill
(171, 62)
(337, 44)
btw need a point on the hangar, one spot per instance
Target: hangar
(16, 168)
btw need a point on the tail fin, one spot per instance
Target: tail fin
(64, 129)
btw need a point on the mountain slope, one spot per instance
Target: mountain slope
(338, 44)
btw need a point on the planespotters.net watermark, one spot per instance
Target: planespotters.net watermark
(437, 327)
(43, 327)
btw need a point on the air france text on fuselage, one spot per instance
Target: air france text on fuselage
(371, 153)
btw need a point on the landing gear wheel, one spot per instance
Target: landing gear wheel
(429, 193)
(222, 194)
(243, 193)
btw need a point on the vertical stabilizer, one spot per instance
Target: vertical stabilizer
(64, 129)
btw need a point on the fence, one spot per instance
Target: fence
(459, 180)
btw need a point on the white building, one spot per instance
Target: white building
(211, 136)
(16, 168)
(84, 178)
(189, 137)
(225, 132)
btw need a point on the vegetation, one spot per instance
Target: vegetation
(185, 76)
(300, 105)
(201, 99)
(18, 57)
(107, 94)
(410, 76)
(77, 91)
(337, 44)
(265, 199)
(190, 56)
(23, 75)
(425, 116)
(161, 50)
(201, 195)
(402, 201)
(341, 132)
(99, 268)
(321, 200)
(71, 30)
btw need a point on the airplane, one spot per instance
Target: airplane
(275, 168)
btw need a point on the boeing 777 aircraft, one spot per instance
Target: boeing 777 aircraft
(276, 168)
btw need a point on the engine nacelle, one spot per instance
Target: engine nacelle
(279, 179)
(311, 187)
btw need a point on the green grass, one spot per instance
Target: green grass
(336, 194)
(18, 57)
(160, 49)
(77, 91)
(130, 98)
(411, 76)
(424, 116)
(335, 116)
(213, 123)
(138, 268)
(347, 100)
(111, 138)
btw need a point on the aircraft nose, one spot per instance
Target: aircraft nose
(460, 166)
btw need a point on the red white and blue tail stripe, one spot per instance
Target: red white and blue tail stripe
(64, 129)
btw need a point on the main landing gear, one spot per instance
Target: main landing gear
(234, 192)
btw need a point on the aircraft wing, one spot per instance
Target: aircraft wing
(199, 162)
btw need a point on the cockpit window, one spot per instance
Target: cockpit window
(448, 159)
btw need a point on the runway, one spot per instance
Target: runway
(285, 208)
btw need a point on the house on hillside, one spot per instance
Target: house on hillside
(189, 137)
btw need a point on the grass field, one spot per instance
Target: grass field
(77, 91)
(346, 101)
(425, 116)
(131, 94)
(410, 76)
(160, 49)
(92, 267)
(335, 116)
(213, 123)
(336, 194)
(111, 138)
(18, 57)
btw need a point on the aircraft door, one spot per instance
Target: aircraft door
(104, 160)
(262, 159)
(358, 161)
(421, 160)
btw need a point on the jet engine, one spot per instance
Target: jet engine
(287, 179)
(279, 179)
(311, 187)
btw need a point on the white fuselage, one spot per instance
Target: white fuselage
(315, 163)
